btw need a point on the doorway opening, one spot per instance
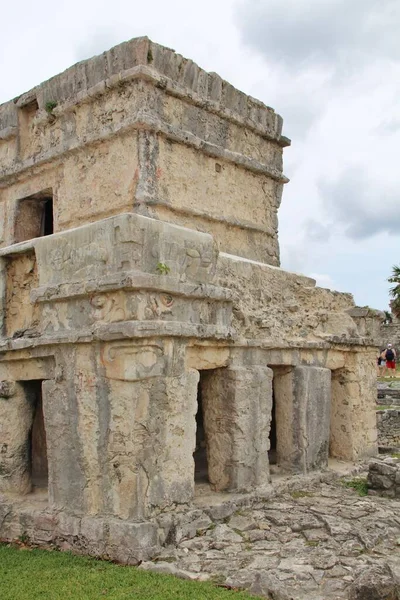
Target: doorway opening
(272, 455)
(200, 453)
(37, 447)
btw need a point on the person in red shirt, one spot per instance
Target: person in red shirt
(390, 356)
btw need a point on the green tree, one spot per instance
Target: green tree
(388, 317)
(395, 290)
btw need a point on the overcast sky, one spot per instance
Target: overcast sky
(331, 68)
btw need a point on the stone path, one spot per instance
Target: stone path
(319, 543)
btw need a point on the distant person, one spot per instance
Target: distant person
(390, 357)
(381, 364)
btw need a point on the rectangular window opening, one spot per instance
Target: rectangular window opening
(34, 217)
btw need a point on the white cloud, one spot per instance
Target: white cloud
(323, 280)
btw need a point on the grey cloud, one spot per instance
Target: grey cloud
(298, 114)
(300, 33)
(363, 207)
(316, 232)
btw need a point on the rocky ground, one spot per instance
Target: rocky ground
(321, 542)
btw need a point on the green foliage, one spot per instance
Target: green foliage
(150, 57)
(395, 290)
(163, 269)
(50, 106)
(359, 484)
(32, 574)
(388, 317)
(24, 538)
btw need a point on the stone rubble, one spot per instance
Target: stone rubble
(323, 542)
(384, 476)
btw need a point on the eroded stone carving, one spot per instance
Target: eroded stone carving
(131, 363)
(7, 389)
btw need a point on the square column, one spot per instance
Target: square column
(16, 415)
(303, 400)
(237, 405)
(127, 412)
(353, 416)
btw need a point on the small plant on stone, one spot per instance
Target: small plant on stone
(23, 538)
(312, 543)
(301, 494)
(162, 268)
(50, 106)
(359, 484)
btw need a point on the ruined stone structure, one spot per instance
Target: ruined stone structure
(142, 299)
(388, 425)
(390, 333)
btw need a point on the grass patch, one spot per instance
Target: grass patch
(32, 574)
(386, 407)
(301, 494)
(359, 484)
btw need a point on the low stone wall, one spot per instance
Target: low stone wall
(384, 476)
(388, 424)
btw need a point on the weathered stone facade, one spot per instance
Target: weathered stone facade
(139, 287)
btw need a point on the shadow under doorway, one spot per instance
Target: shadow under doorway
(200, 453)
(37, 464)
(272, 454)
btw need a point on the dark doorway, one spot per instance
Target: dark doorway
(272, 434)
(200, 454)
(34, 217)
(37, 437)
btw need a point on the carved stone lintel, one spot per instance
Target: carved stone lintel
(7, 389)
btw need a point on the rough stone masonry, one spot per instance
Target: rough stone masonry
(150, 343)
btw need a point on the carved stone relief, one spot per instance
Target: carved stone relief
(107, 308)
(130, 247)
(21, 315)
(7, 389)
(129, 362)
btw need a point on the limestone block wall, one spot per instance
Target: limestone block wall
(284, 307)
(388, 424)
(140, 128)
(369, 322)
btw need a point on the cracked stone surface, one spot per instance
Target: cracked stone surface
(324, 542)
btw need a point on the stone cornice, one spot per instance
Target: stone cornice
(140, 120)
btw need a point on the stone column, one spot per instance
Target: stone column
(303, 398)
(16, 414)
(353, 416)
(237, 404)
(151, 427)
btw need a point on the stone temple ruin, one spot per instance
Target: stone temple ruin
(150, 343)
